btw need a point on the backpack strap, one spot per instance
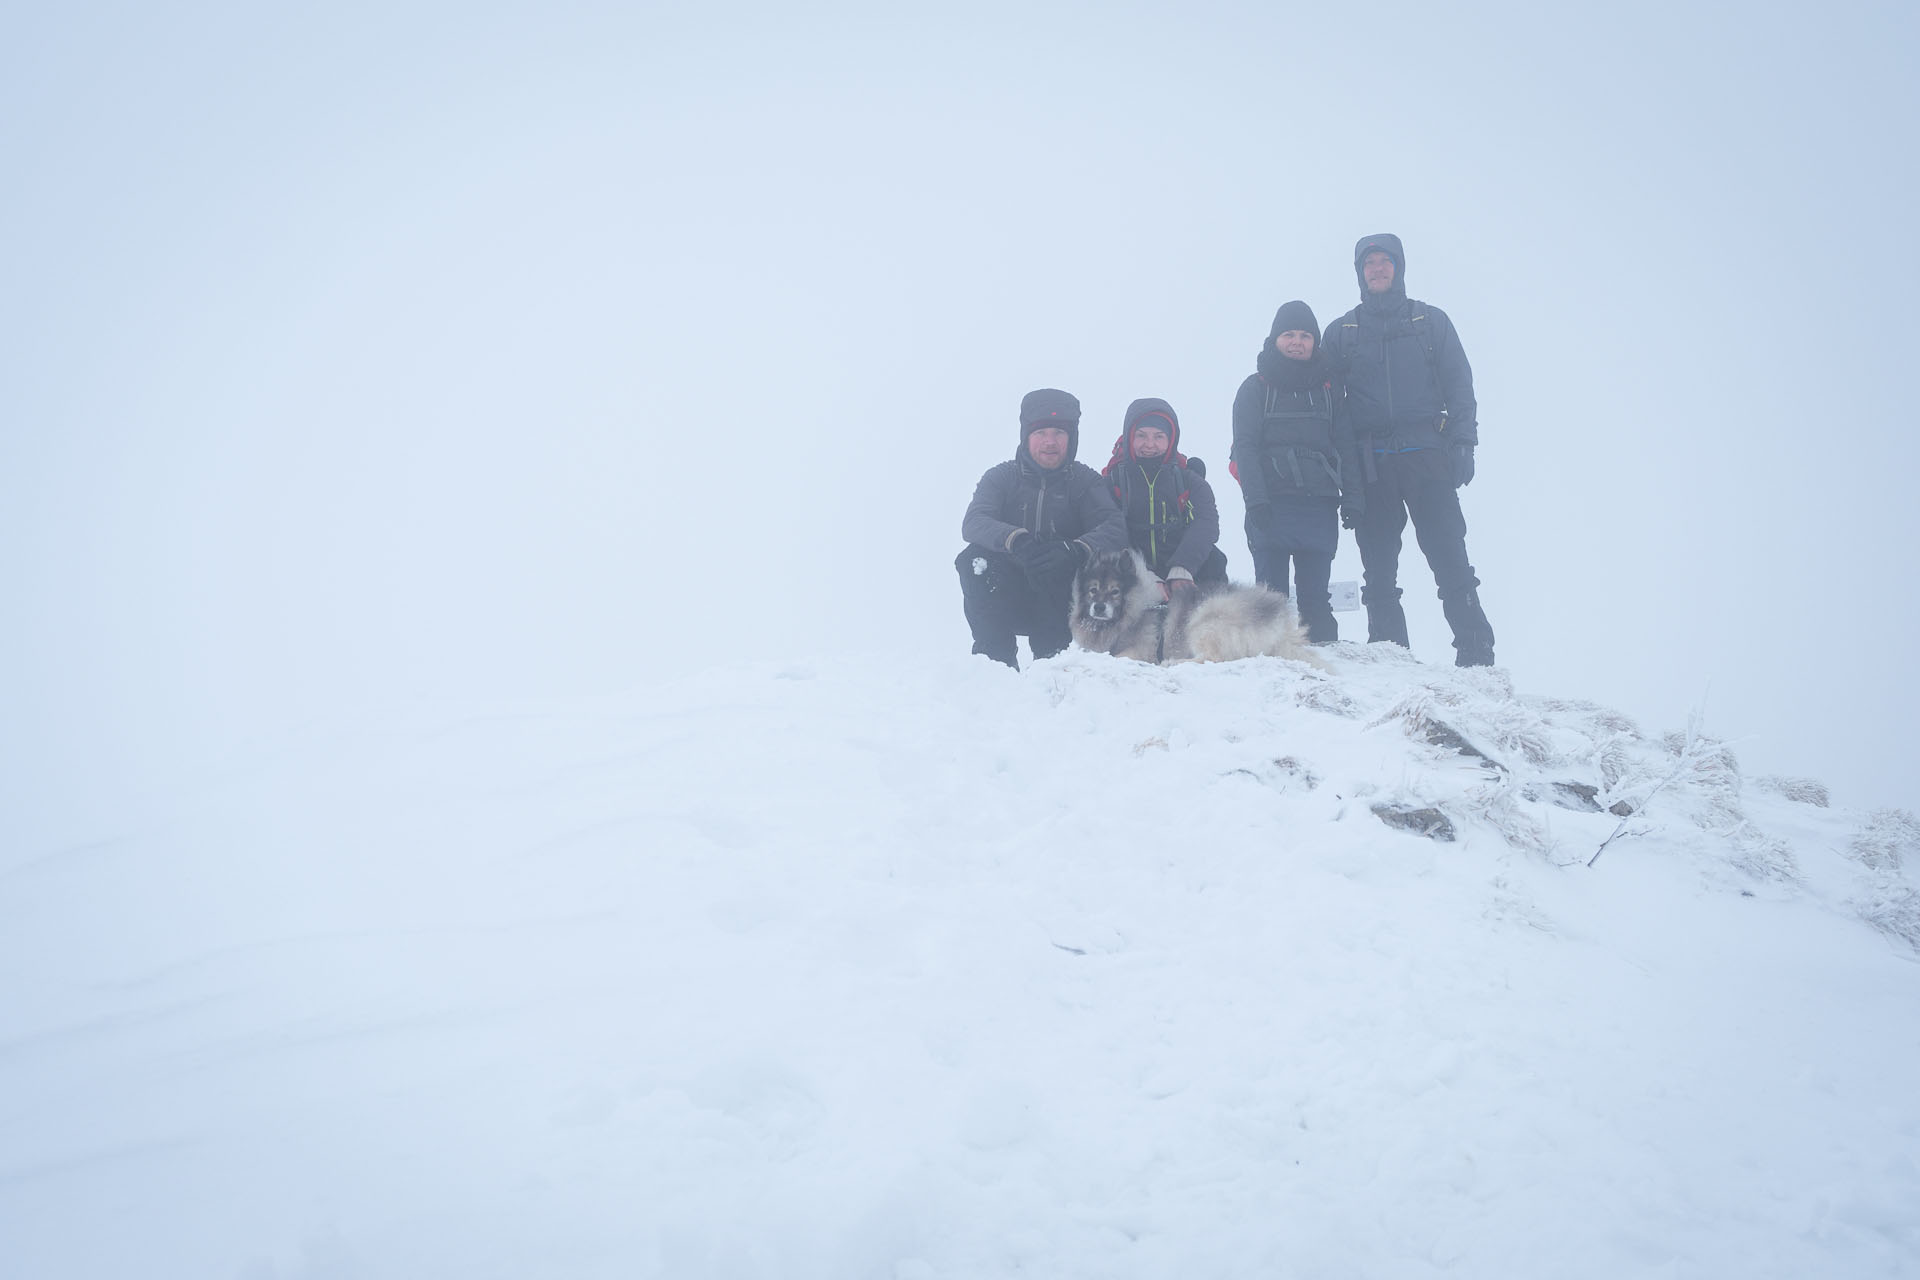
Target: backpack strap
(1423, 325)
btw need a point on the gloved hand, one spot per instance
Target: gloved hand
(1042, 560)
(1023, 549)
(1462, 456)
(1352, 507)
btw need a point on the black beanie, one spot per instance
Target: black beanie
(1050, 408)
(1295, 315)
(1047, 403)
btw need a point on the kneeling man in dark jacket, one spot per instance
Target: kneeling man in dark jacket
(1032, 524)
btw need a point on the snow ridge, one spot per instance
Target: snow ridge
(882, 969)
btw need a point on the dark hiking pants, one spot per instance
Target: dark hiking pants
(1002, 604)
(1303, 535)
(1418, 485)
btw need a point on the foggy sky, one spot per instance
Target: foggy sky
(364, 360)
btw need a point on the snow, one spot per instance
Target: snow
(911, 967)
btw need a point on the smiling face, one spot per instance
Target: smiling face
(1294, 344)
(1150, 441)
(1047, 446)
(1377, 269)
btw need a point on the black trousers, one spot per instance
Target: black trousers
(1418, 486)
(1311, 596)
(1303, 536)
(1003, 604)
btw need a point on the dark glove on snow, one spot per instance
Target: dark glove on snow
(1462, 464)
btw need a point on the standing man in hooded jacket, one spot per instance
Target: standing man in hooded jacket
(1409, 401)
(1033, 524)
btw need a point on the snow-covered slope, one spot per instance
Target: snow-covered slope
(912, 969)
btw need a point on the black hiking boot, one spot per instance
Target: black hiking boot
(1472, 633)
(1474, 655)
(1321, 627)
(1387, 623)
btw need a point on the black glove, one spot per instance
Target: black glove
(1043, 560)
(1352, 507)
(1462, 464)
(1198, 467)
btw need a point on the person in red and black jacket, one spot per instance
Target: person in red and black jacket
(1172, 518)
(1297, 465)
(1033, 524)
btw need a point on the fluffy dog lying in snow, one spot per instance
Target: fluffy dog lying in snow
(1121, 607)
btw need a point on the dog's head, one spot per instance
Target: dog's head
(1100, 592)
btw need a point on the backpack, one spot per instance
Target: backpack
(1422, 326)
(1336, 348)
(1298, 458)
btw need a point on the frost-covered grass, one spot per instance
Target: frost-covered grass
(907, 970)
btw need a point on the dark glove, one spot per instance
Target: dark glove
(1198, 467)
(1045, 559)
(1352, 507)
(1025, 547)
(1462, 464)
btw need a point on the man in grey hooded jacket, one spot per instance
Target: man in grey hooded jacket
(1408, 393)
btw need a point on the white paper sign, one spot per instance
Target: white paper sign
(1346, 596)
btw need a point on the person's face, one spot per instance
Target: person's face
(1048, 446)
(1377, 268)
(1149, 441)
(1294, 344)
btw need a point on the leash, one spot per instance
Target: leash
(1160, 623)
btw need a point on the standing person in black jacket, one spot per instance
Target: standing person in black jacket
(1295, 460)
(1409, 398)
(1171, 516)
(1032, 524)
